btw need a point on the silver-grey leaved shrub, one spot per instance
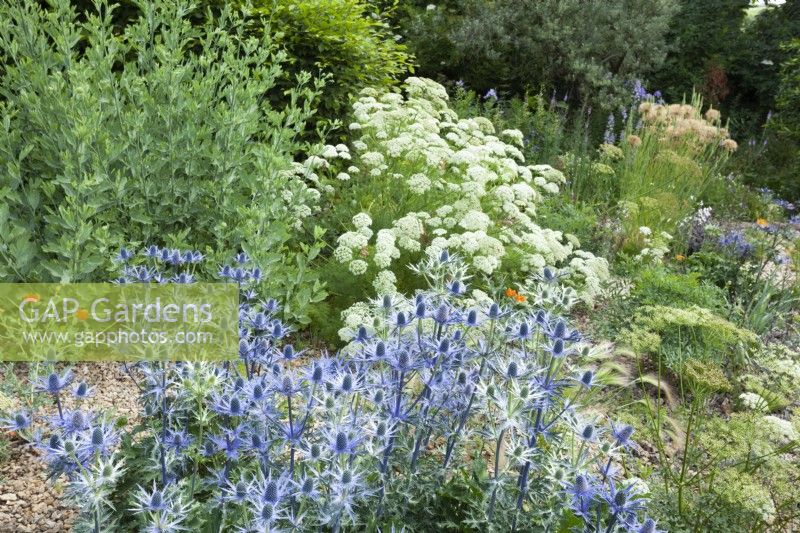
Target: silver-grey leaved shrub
(157, 131)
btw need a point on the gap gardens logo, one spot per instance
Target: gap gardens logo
(118, 322)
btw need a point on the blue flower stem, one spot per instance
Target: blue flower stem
(58, 404)
(465, 416)
(162, 449)
(291, 431)
(612, 523)
(496, 474)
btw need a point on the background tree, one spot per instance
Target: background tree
(512, 45)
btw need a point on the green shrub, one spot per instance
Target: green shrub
(158, 135)
(510, 45)
(349, 42)
(650, 286)
(782, 158)
(544, 125)
(703, 39)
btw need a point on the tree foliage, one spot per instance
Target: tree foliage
(588, 48)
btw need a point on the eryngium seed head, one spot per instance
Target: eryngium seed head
(512, 369)
(341, 442)
(271, 492)
(581, 484)
(442, 314)
(347, 383)
(97, 437)
(236, 406)
(156, 500)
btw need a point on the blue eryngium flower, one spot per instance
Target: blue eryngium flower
(624, 502)
(582, 490)
(237, 492)
(18, 422)
(178, 440)
(587, 379)
(82, 390)
(229, 443)
(102, 439)
(648, 526)
(54, 383)
(163, 510)
(343, 440)
(622, 435)
(124, 255)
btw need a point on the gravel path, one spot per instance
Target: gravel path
(30, 504)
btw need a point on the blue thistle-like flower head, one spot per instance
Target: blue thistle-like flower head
(622, 435)
(343, 439)
(54, 383)
(587, 379)
(124, 255)
(82, 391)
(18, 422)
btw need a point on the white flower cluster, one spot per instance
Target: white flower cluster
(754, 402)
(655, 246)
(783, 428)
(478, 198)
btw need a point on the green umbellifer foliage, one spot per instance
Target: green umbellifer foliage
(347, 40)
(658, 286)
(742, 481)
(589, 48)
(158, 135)
(677, 335)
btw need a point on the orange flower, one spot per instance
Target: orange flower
(511, 293)
(680, 257)
(762, 222)
(520, 298)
